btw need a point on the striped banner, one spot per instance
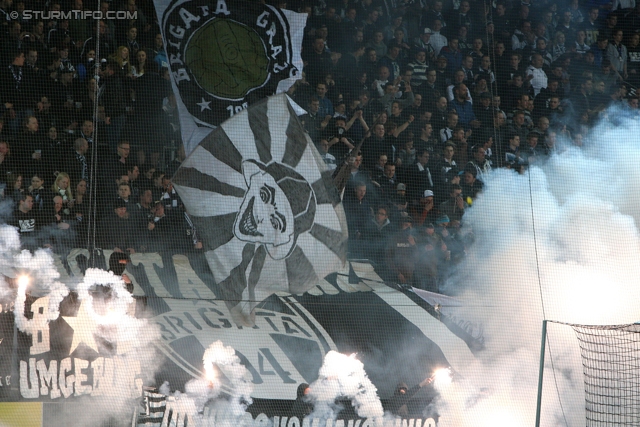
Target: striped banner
(265, 205)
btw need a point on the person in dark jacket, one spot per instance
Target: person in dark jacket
(402, 395)
(117, 230)
(301, 407)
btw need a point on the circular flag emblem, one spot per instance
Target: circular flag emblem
(224, 56)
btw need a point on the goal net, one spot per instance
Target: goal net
(611, 368)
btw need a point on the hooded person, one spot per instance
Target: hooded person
(301, 407)
(398, 404)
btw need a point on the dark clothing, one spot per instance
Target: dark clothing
(398, 403)
(116, 232)
(301, 408)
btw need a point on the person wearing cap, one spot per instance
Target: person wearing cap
(423, 43)
(423, 210)
(401, 190)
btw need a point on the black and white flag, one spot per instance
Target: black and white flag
(264, 202)
(224, 55)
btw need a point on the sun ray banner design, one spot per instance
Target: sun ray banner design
(225, 55)
(265, 206)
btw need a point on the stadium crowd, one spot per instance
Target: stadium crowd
(434, 93)
(442, 92)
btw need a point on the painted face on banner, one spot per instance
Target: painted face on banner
(265, 214)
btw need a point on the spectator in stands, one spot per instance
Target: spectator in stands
(455, 206)
(117, 231)
(398, 404)
(453, 55)
(41, 196)
(30, 145)
(76, 163)
(7, 163)
(14, 188)
(401, 252)
(419, 176)
(479, 161)
(512, 158)
(358, 211)
(26, 221)
(81, 211)
(539, 79)
(422, 209)
(124, 194)
(617, 55)
(159, 229)
(471, 186)
(313, 122)
(463, 106)
(115, 102)
(376, 233)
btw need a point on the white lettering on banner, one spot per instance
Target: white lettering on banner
(110, 377)
(80, 366)
(204, 10)
(188, 17)
(175, 58)
(177, 32)
(48, 377)
(39, 326)
(221, 8)
(262, 19)
(26, 391)
(66, 382)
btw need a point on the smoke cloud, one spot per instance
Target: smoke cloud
(226, 391)
(343, 377)
(559, 242)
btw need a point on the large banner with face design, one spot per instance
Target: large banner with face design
(265, 205)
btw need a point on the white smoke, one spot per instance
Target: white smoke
(35, 271)
(227, 398)
(564, 233)
(340, 377)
